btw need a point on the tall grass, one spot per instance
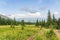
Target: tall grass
(47, 35)
(50, 35)
(16, 33)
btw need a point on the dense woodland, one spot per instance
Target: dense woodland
(51, 22)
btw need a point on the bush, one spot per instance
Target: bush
(50, 35)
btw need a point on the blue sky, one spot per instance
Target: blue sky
(29, 8)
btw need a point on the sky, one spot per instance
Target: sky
(29, 8)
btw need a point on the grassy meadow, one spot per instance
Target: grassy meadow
(7, 33)
(30, 32)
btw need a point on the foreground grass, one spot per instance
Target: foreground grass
(46, 34)
(7, 33)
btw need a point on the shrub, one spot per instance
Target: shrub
(50, 35)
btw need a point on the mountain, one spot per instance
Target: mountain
(3, 16)
(19, 19)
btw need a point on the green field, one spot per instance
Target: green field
(7, 33)
(30, 32)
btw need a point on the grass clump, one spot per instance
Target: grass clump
(50, 35)
(38, 37)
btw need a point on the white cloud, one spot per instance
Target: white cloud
(30, 10)
(27, 15)
(57, 15)
(30, 15)
(37, 14)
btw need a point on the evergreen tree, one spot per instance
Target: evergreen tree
(13, 22)
(43, 23)
(54, 20)
(3, 21)
(58, 23)
(0, 20)
(9, 21)
(22, 24)
(37, 23)
(49, 20)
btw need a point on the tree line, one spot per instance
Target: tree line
(51, 22)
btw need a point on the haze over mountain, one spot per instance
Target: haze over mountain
(3, 16)
(19, 19)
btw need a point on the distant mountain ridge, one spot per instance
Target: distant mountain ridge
(3, 16)
(19, 19)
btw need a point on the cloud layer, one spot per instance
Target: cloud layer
(27, 15)
(30, 10)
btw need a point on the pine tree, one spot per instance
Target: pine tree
(49, 20)
(9, 21)
(43, 23)
(37, 23)
(54, 20)
(22, 24)
(13, 22)
(58, 23)
(0, 20)
(3, 21)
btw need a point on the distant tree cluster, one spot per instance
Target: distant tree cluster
(8, 21)
(51, 22)
(4, 21)
(22, 24)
